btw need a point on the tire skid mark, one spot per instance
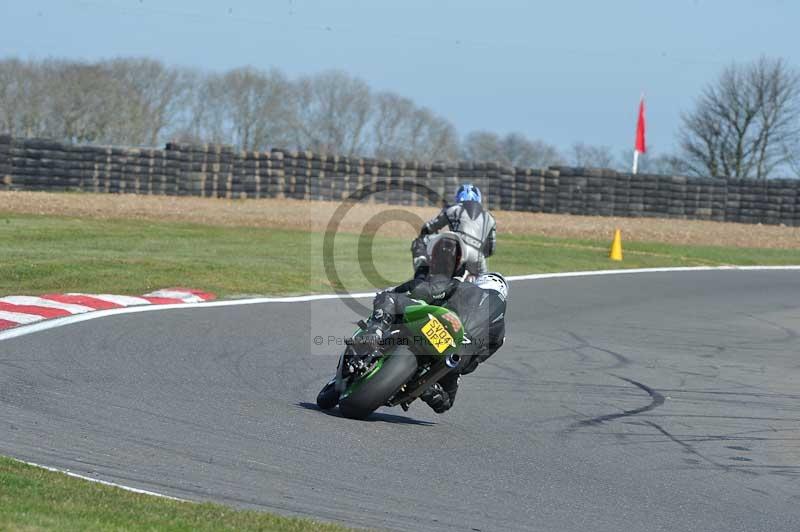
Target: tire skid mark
(657, 400)
(791, 334)
(621, 359)
(697, 391)
(691, 450)
(745, 418)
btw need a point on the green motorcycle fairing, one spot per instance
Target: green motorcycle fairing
(431, 330)
(436, 330)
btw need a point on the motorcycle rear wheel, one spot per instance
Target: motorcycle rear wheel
(373, 393)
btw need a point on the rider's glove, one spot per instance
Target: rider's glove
(419, 252)
(376, 327)
(419, 246)
(371, 337)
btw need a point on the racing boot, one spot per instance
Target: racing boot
(441, 396)
(436, 398)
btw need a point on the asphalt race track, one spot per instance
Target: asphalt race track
(657, 401)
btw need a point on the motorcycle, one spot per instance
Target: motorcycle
(421, 348)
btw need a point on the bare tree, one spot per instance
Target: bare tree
(514, 149)
(665, 164)
(155, 96)
(331, 113)
(588, 155)
(793, 158)
(245, 107)
(82, 101)
(138, 101)
(517, 150)
(258, 107)
(747, 123)
(10, 94)
(431, 138)
(481, 146)
(652, 163)
(206, 113)
(390, 125)
(56, 98)
(122, 101)
(21, 98)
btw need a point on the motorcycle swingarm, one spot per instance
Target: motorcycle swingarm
(438, 370)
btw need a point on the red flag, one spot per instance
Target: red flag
(640, 145)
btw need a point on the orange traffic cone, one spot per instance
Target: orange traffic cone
(616, 246)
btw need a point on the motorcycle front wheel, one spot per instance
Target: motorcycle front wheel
(374, 391)
(328, 397)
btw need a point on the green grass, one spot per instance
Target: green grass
(532, 254)
(41, 254)
(35, 499)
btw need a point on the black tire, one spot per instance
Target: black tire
(372, 394)
(328, 397)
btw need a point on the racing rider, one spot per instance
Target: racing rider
(481, 307)
(467, 218)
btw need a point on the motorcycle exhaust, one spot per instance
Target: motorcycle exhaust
(452, 360)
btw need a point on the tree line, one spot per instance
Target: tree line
(745, 124)
(137, 102)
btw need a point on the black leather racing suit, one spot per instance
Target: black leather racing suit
(482, 314)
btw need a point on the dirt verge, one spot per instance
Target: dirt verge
(316, 215)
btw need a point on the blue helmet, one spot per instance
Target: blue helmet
(468, 192)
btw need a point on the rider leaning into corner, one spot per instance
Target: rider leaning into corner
(481, 306)
(469, 220)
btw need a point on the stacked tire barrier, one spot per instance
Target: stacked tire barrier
(223, 172)
(5, 161)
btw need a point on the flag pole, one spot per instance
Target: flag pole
(635, 161)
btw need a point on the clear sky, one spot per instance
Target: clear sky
(561, 71)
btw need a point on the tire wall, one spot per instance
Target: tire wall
(218, 171)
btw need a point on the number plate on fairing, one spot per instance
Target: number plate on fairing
(437, 335)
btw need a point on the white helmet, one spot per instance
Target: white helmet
(493, 281)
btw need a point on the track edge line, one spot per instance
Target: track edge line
(39, 326)
(99, 481)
